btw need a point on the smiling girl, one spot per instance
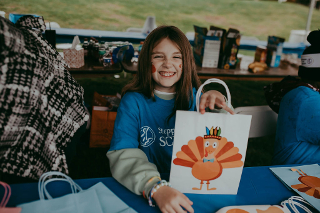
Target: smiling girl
(141, 146)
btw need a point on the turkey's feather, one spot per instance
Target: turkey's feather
(186, 149)
(311, 191)
(215, 131)
(228, 153)
(233, 164)
(194, 148)
(297, 186)
(226, 147)
(181, 162)
(219, 132)
(222, 143)
(183, 156)
(235, 157)
(200, 144)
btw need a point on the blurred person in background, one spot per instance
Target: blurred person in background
(42, 114)
(297, 102)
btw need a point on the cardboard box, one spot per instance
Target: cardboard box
(230, 49)
(102, 121)
(274, 51)
(223, 39)
(102, 124)
(74, 57)
(206, 48)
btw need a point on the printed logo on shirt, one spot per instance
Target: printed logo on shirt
(306, 61)
(147, 136)
(167, 136)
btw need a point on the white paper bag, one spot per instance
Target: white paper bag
(209, 150)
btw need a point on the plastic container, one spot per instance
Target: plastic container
(107, 59)
(140, 47)
(260, 54)
(298, 36)
(135, 57)
(3, 14)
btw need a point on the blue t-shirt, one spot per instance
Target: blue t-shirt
(298, 128)
(142, 123)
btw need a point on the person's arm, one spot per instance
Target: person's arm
(128, 164)
(298, 135)
(131, 168)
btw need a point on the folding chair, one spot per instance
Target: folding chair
(264, 120)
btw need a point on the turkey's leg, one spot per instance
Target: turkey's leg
(208, 186)
(201, 183)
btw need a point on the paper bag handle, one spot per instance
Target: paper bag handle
(213, 80)
(7, 194)
(43, 182)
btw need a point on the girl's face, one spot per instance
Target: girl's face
(166, 62)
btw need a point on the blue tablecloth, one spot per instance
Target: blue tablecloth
(258, 186)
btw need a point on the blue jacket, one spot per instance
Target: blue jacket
(298, 128)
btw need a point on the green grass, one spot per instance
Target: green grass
(251, 17)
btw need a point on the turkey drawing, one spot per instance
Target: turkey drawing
(309, 184)
(208, 156)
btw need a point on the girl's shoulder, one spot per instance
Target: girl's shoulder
(194, 91)
(301, 98)
(133, 97)
(302, 92)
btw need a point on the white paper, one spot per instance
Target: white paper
(190, 125)
(211, 53)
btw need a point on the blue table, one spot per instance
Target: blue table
(258, 186)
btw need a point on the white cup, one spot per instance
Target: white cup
(3, 14)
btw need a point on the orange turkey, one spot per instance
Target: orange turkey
(208, 156)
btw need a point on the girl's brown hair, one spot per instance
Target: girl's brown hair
(143, 81)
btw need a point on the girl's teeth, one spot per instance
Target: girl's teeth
(167, 74)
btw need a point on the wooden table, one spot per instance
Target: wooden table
(272, 74)
(95, 70)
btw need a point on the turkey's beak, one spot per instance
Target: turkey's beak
(210, 150)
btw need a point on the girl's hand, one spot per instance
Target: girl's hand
(213, 98)
(170, 200)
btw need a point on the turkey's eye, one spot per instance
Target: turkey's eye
(206, 144)
(214, 145)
